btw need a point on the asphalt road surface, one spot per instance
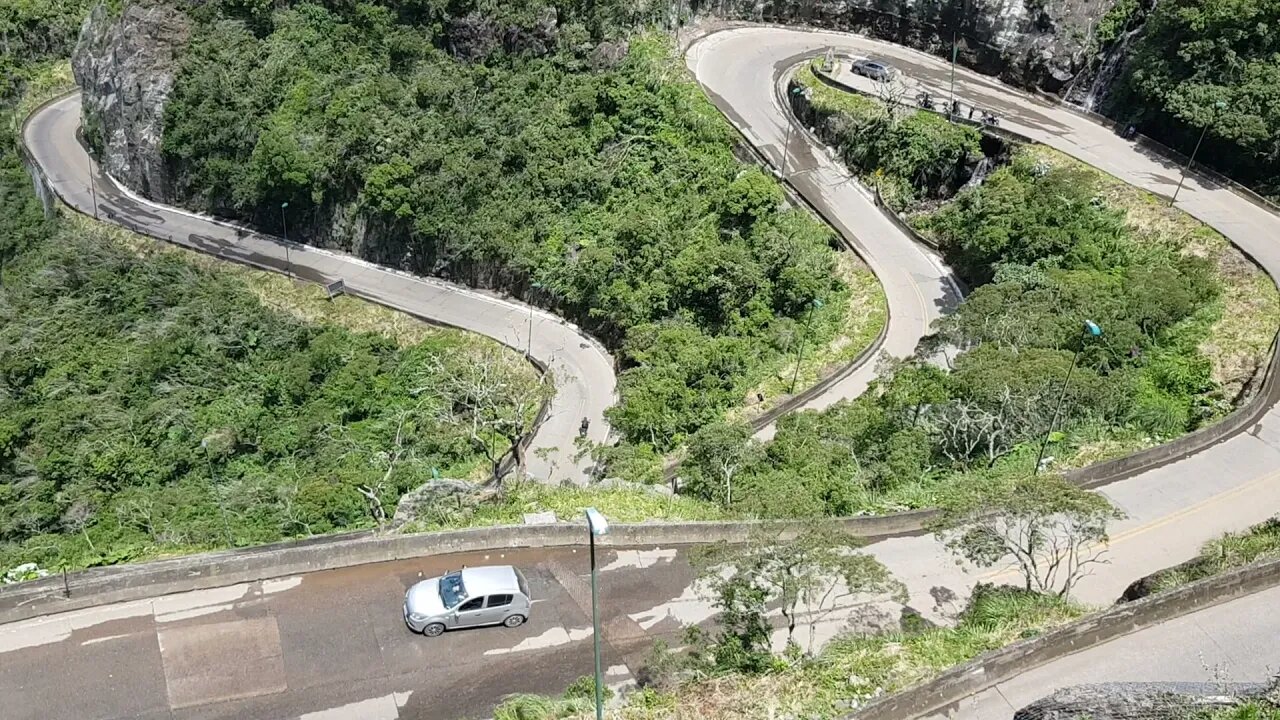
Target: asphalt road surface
(582, 369)
(333, 646)
(333, 642)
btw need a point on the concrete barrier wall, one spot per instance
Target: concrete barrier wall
(100, 586)
(963, 681)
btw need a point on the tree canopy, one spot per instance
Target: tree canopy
(1193, 55)
(538, 153)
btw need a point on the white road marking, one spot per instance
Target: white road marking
(379, 708)
(640, 558)
(551, 638)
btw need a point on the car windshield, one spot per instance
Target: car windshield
(452, 591)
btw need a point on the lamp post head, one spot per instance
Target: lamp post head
(596, 522)
(1221, 104)
(1092, 328)
(284, 205)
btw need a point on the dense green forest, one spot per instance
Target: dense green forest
(33, 32)
(1215, 64)
(540, 153)
(1046, 244)
(151, 405)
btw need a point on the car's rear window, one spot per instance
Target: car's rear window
(524, 586)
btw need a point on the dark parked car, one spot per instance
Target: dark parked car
(874, 69)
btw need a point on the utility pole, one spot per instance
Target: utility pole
(1218, 107)
(800, 353)
(93, 190)
(288, 263)
(1091, 329)
(791, 122)
(953, 74)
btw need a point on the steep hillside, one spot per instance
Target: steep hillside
(554, 152)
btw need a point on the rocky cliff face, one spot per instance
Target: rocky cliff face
(126, 68)
(1031, 43)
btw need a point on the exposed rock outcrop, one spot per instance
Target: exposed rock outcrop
(1033, 43)
(440, 499)
(1144, 701)
(126, 67)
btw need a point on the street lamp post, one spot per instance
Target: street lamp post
(528, 346)
(1090, 329)
(1217, 108)
(284, 226)
(791, 122)
(808, 319)
(596, 525)
(952, 106)
(93, 188)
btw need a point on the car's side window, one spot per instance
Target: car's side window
(472, 604)
(499, 600)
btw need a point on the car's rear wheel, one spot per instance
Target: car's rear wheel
(433, 630)
(514, 621)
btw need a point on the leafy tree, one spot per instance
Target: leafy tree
(717, 453)
(1193, 54)
(807, 572)
(1051, 531)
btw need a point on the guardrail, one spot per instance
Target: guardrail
(100, 586)
(993, 668)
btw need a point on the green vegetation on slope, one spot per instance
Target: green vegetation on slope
(1045, 245)
(1194, 54)
(33, 34)
(910, 156)
(152, 405)
(1253, 710)
(1231, 551)
(586, 172)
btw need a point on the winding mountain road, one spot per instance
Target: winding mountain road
(331, 644)
(581, 369)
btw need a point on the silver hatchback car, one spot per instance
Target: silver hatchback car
(875, 69)
(492, 595)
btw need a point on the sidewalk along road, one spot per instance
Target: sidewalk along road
(581, 369)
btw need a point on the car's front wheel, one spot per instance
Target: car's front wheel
(433, 629)
(514, 621)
